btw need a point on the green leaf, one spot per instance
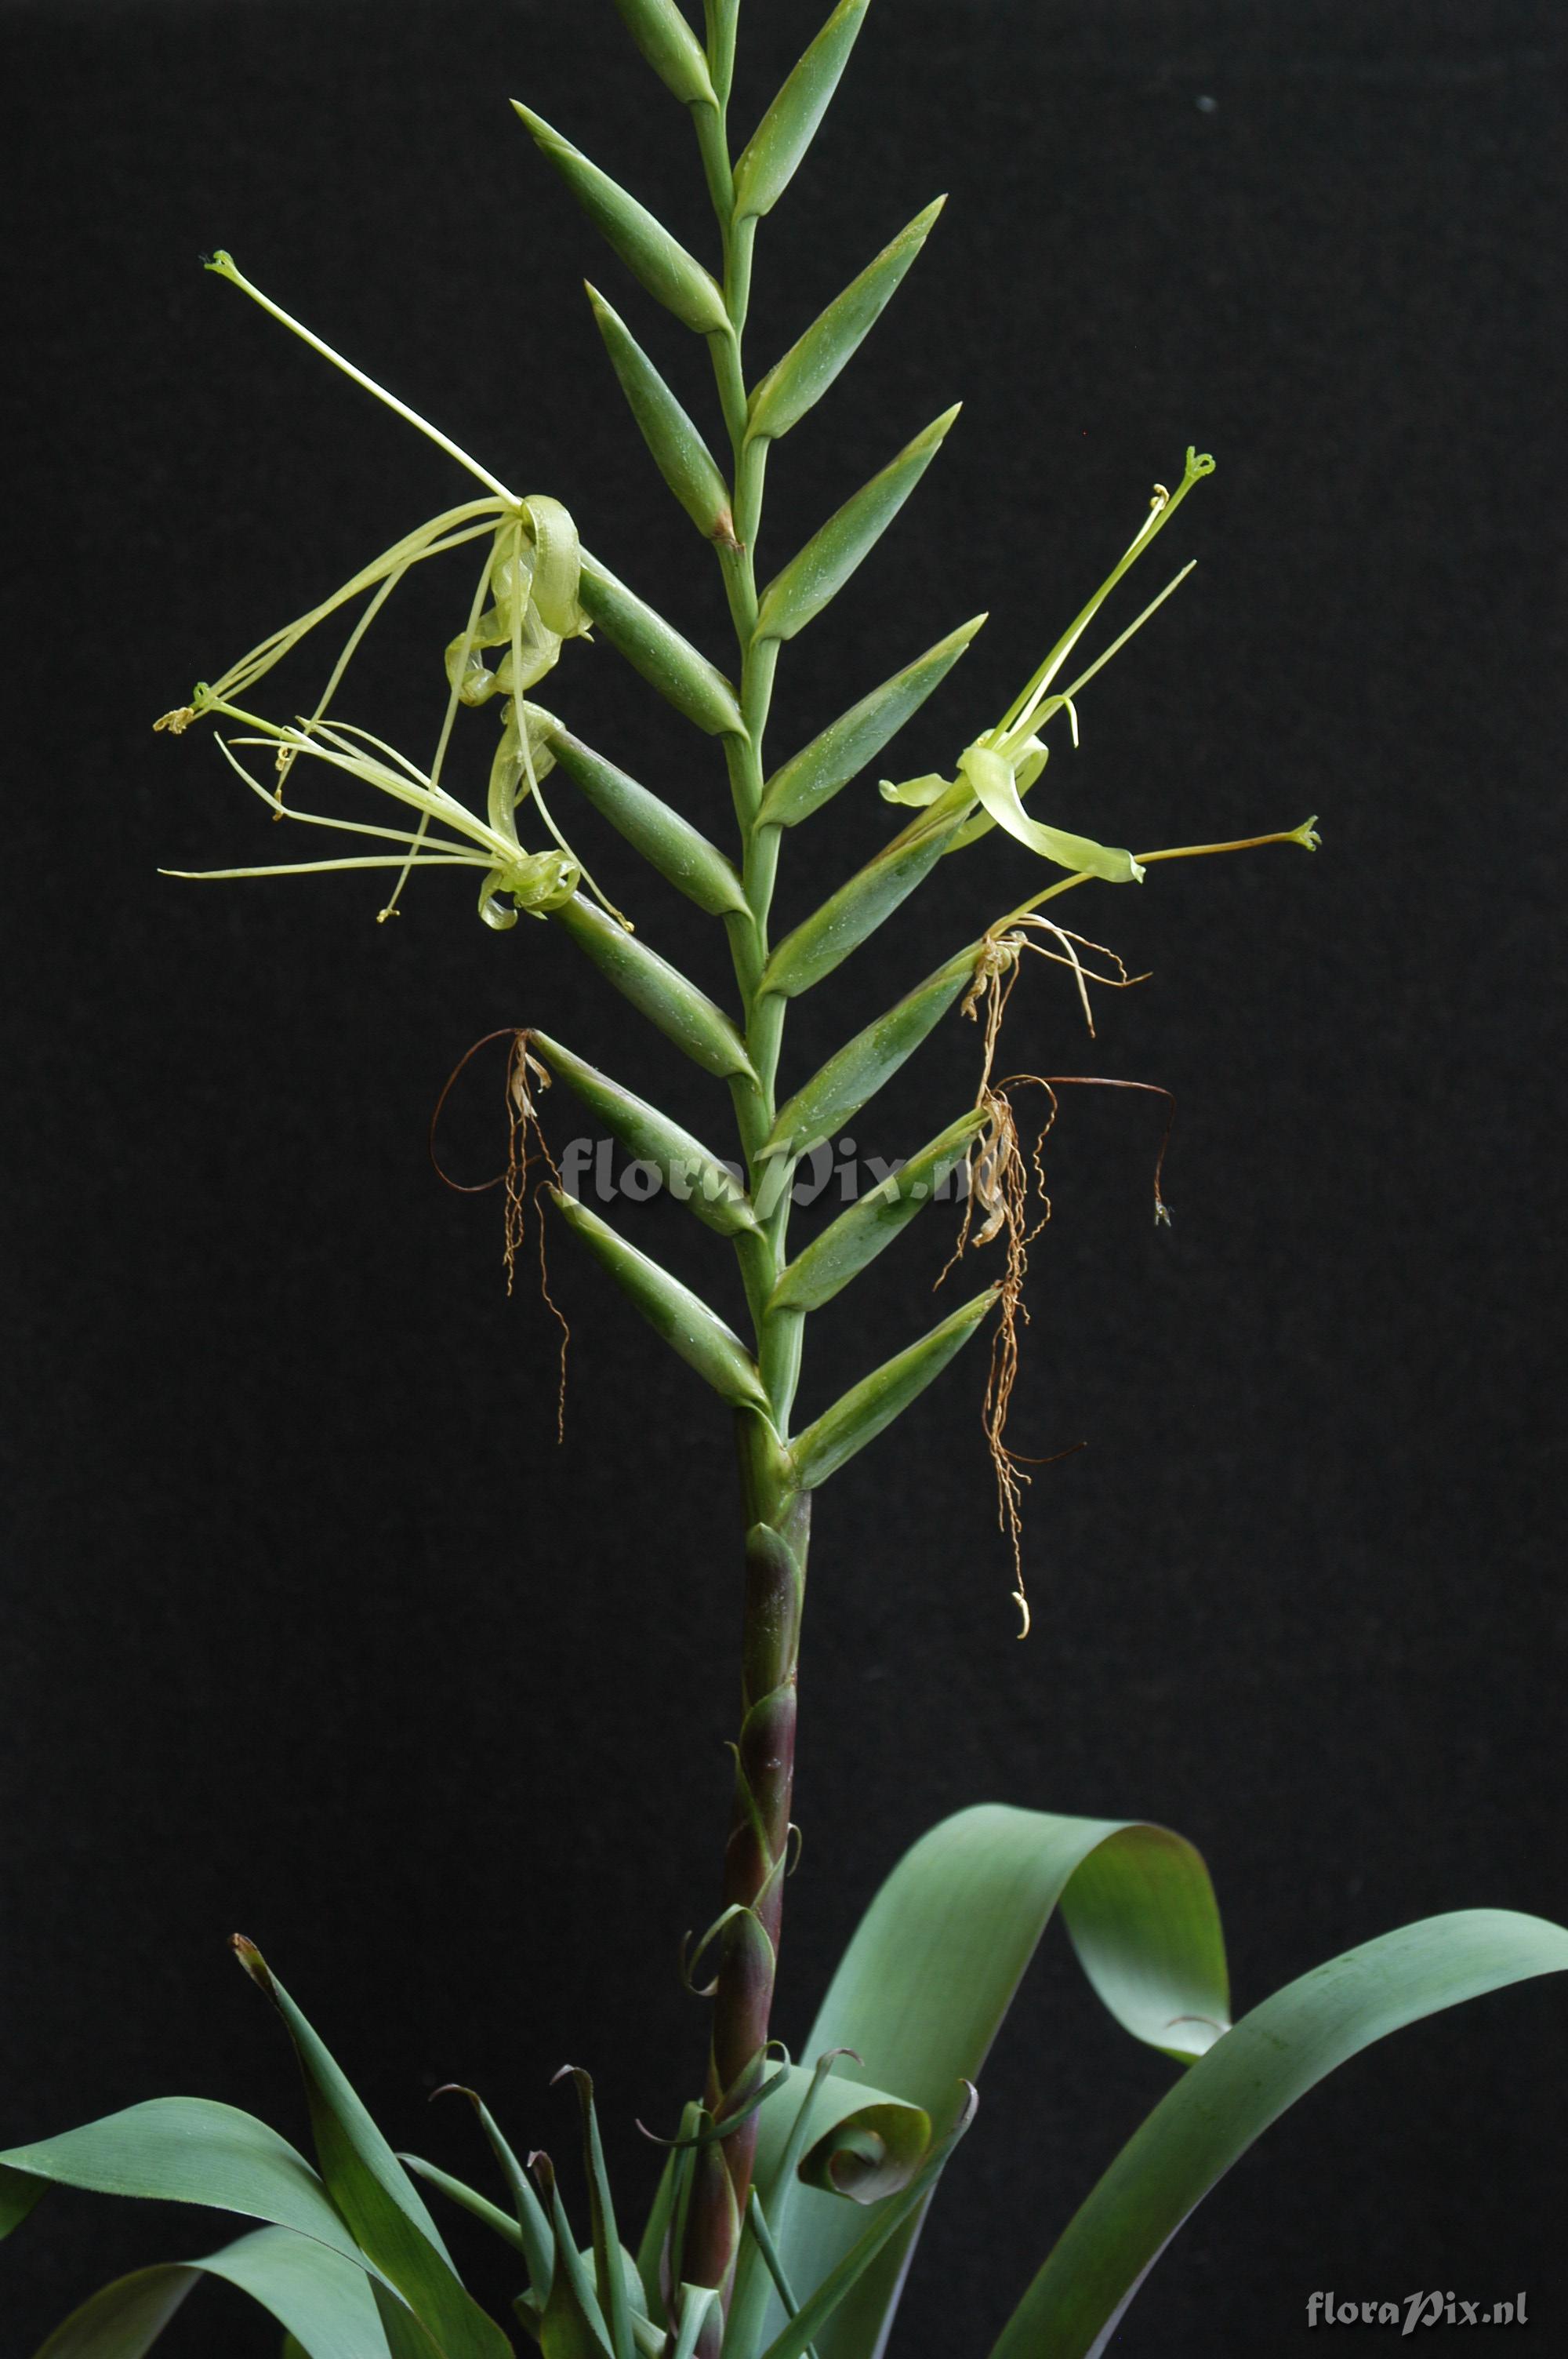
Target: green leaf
(18, 2194)
(681, 1012)
(467, 2199)
(818, 572)
(187, 2150)
(293, 2350)
(682, 1317)
(655, 648)
(859, 1069)
(819, 2310)
(696, 2301)
(935, 1962)
(609, 2276)
(672, 276)
(573, 2323)
(671, 48)
(825, 939)
(811, 777)
(868, 1407)
(990, 776)
(665, 2211)
(680, 852)
(375, 2195)
(768, 162)
(843, 1249)
(1273, 2056)
(320, 2299)
(876, 2152)
(679, 452)
(532, 2225)
(814, 361)
(690, 1172)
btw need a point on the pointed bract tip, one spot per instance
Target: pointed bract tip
(454, 2089)
(251, 1958)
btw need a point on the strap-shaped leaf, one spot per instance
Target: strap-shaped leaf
(185, 2150)
(671, 48)
(1274, 2055)
(940, 1954)
(669, 842)
(681, 1316)
(573, 2324)
(816, 2109)
(672, 276)
(814, 776)
(812, 362)
(768, 162)
(375, 2195)
(827, 938)
(691, 1173)
(869, 1407)
(820, 570)
(859, 1235)
(664, 995)
(812, 2324)
(846, 1081)
(679, 452)
(467, 2199)
(656, 649)
(321, 2299)
(609, 2271)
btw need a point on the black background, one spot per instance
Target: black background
(312, 1628)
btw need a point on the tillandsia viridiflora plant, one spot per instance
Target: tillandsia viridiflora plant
(791, 2198)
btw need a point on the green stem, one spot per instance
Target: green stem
(776, 1513)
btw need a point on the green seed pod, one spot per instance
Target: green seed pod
(671, 1003)
(814, 776)
(681, 1316)
(671, 48)
(655, 648)
(847, 917)
(768, 162)
(672, 276)
(679, 452)
(869, 1407)
(849, 1080)
(858, 1235)
(821, 568)
(812, 363)
(690, 1172)
(667, 841)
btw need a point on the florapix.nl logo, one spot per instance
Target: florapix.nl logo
(835, 1168)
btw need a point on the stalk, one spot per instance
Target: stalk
(777, 1514)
